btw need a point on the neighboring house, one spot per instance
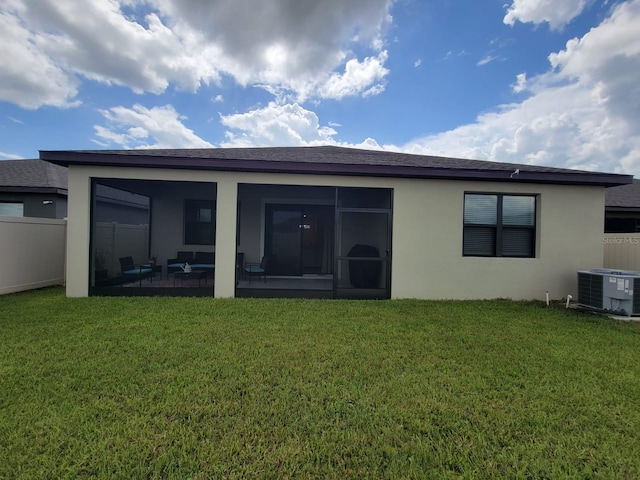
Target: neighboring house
(35, 188)
(32, 188)
(622, 208)
(114, 205)
(336, 222)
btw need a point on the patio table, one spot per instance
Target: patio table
(199, 274)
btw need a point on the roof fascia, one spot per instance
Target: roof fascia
(45, 190)
(69, 158)
(622, 209)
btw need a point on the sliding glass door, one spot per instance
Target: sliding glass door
(283, 242)
(299, 239)
(318, 241)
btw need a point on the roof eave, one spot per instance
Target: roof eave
(43, 190)
(621, 209)
(67, 158)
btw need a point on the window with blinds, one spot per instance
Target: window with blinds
(499, 225)
(199, 222)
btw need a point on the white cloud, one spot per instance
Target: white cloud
(364, 77)
(555, 12)
(521, 83)
(294, 48)
(451, 55)
(582, 113)
(95, 39)
(285, 125)
(417, 63)
(284, 38)
(141, 127)
(608, 58)
(29, 77)
(10, 156)
(162, 127)
(487, 59)
(276, 125)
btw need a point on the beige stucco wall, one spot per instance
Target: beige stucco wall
(78, 217)
(427, 233)
(427, 248)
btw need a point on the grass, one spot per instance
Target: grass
(203, 388)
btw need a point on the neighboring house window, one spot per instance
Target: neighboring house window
(499, 225)
(621, 225)
(199, 222)
(12, 209)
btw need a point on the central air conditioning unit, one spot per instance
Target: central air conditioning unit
(610, 291)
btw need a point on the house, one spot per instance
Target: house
(622, 208)
(35, 188)
(332, 222)
(32, 188)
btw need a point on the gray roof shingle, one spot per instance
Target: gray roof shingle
(323, 154)
(624, 196)
(32, 175)
(331, 160)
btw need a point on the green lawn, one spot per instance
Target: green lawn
(244, 388)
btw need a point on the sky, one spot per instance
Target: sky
(544, 82)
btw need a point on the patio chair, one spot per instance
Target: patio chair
(256, 269)
(204, 261)
(131, 271)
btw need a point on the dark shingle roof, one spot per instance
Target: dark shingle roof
(32, 176)
(624, 196)
(331, 160)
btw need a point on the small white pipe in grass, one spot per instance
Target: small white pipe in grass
(569, 297)
(547, 298)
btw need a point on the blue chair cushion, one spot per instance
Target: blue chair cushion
(176, 265)
(252, 269)
(137, 271)
(203, 266)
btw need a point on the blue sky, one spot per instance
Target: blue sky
(525, 81)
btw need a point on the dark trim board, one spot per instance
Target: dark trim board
(281, 293)
(362, 294)
(151, 292)
(343, 294)
(44, 190)
(117, 291)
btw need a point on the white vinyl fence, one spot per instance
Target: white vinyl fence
(622, 250)
(114, 240)
(32, 253)
(32, 250)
